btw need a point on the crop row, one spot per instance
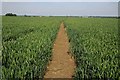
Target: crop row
(27, 55)
(94, 45)
(28, 41)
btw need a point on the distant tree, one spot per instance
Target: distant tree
(10, 14)
(25, 15)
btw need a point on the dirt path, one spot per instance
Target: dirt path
(62, 65)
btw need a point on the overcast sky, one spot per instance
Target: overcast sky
(60, 0)
(93, 8)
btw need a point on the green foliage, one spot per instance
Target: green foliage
(27, 46)
(28, 41)
(10, 14)
(94, 44)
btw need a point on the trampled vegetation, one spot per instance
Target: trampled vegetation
(28, 41)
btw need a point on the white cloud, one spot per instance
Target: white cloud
(60, 0)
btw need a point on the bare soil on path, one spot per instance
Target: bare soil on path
(62, 64)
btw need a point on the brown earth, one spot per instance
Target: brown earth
(62, 64)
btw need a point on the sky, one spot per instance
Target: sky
(60, 0)
(90, 8)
